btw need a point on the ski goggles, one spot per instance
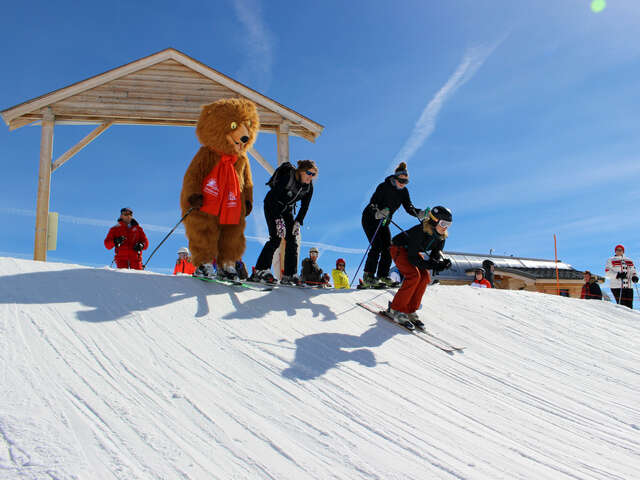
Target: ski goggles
(403, 181)
(444, 223)
(311, 173)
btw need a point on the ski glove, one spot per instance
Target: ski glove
(119, 240)
(248, 206)
(380, 214)
(634, 279)
(621, 275)
(196, 200)
(295, 231)
(421, 214)
(281, 229)
(442, 265)
(138, 246)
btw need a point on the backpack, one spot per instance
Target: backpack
(282, 169)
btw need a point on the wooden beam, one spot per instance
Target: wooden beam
(283, 142)
(80, 145)
(44, 183)
(260, 159)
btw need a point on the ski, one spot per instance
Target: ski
(231, 283)
(422, 334)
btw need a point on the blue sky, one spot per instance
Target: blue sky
(522, 117)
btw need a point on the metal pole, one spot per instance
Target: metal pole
(355, 275)
(167, 236)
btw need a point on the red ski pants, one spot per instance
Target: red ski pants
(409, 296)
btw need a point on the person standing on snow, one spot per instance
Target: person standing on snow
(409, 252)
(590, 289)
(129, 240)
(183, 264)
(340, 278)
(288, 186)
(621, 272)
(376, 216)
(489, 267)
(479, 281)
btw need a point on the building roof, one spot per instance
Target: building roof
(166, 88)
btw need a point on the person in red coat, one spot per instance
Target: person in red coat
(129, 240)
(183, 264)
(479, 280)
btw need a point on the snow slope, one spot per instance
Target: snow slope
(133, 375)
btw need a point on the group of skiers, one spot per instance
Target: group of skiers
(416, 252)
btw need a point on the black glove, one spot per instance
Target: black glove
(196, 200)
(138, 246)
(119, 240)
(248, 207)
(621, 275)
(634, 279)
(442, 265)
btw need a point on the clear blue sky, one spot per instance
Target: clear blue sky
(522, 117)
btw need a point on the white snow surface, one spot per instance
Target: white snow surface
(112, 374)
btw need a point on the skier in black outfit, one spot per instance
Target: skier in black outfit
(376, 216)
(288, 186)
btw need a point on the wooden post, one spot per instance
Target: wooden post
(555, 250)
(282, 136)
(44, 183)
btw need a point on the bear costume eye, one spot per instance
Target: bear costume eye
(234, 125)
(249, 123)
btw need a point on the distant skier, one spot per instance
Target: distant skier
(621, 272)
(590, 289)
(129, 240)
(479, 281)
(183, 264)
(340, 278)
(288, 186)
(311, 273)
(489, 268)
(376, 216)
(409, 252)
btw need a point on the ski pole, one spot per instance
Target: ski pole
(355, 275)
(167, 236)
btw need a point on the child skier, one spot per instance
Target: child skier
(340, 278)
(409, 252)
(479, 281)
(183, 264)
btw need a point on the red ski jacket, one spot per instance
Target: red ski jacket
(125, 254)
(184, 266)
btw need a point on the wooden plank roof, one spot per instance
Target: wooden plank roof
(166, 88)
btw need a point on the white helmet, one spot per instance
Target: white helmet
(184, 250)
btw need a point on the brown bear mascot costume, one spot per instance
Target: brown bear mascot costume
(219, 187)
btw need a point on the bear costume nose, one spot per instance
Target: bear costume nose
(244, 139)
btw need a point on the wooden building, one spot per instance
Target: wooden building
(166, 88)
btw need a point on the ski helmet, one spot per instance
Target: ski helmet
(184, 250)
(340, 261)
(439, 213)
(480, 270)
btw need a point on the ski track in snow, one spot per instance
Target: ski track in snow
(132, 375)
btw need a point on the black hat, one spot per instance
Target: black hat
(125, 209)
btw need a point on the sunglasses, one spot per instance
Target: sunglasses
(341, 265)
(311, 173)
(444, 224)
(403, 181)
(126, 213)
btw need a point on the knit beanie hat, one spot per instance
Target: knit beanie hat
(617, 247)
(401, 169)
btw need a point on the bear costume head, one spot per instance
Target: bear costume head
(229, 126)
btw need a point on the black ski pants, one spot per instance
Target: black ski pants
(291, 250)
(627, 296)
(379, 258)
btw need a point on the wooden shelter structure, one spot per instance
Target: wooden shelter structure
(166, 88)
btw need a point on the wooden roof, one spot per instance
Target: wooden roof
(166, 88)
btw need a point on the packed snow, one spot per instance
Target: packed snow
(112, 374)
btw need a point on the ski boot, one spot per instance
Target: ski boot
(415, 319)
(263, 276)
(400, 318)
(291, 280)
(204, 271)
(368, 281)
(387, 282)
(228, 273)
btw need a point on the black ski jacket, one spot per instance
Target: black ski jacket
(388, 196)
(418, 239)
(286, 191)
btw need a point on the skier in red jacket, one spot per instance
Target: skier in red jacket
(129, 240)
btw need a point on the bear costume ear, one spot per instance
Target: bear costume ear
(216, 119)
